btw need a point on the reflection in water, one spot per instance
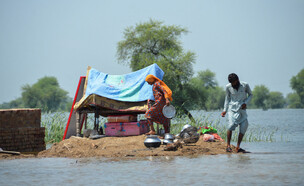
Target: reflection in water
(239, 160)
(247, 168)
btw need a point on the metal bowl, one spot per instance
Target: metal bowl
(169, 136)
(185, 126)
(169, 111)
(167, 141)
(152, 141)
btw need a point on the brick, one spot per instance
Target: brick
(20, 130)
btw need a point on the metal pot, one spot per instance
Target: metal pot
(152, 141)
(185, 126)
(191, 139)
(169, 136)
(167, 141)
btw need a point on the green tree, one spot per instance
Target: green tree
(260, 95)
(216, 98)
(45, 94)
(297, 84)
(208, 79)
(199, 94)
(293, 100)
(152, 42)
(275, 100)
(17, 103)
(210, 95)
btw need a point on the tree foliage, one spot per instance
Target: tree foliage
(209, 95)
(45, 94)
(152, 42)
(260, 95)
(17, 103)
(293, 100)
(275, 100)
(297, 84)
(263, 98)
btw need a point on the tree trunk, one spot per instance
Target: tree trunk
(188, 114)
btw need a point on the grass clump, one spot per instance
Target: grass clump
(54, 124)
(255, 133)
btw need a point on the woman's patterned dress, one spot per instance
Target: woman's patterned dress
(155, 113)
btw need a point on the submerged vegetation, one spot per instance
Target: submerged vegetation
(55, 124)
(254, 133)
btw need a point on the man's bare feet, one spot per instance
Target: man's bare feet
(151, 132)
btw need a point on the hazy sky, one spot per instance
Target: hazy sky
(260, 40)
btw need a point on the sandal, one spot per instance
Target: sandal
(228, 149)
(242, 150)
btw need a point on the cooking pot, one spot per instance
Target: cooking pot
(169, 136)
(167, 141)
(191, 139)
(185, 126)
(152, 141)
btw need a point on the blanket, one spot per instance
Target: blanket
(128, 87)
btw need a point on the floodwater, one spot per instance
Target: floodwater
(270, 163)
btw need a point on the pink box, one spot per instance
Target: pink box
(126, 128)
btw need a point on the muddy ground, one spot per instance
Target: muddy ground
(120, 147)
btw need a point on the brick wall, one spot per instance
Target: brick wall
(20, 130)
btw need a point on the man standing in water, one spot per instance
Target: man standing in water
(238, 94)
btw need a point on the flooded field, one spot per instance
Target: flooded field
(270, 163)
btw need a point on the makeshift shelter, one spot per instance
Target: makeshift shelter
(104, 95)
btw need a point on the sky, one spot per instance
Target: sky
(260, 40)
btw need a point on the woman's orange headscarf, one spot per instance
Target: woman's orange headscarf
(168, 94)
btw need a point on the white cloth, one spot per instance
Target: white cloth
(234, 100)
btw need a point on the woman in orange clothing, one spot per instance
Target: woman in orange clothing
(163, 96)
